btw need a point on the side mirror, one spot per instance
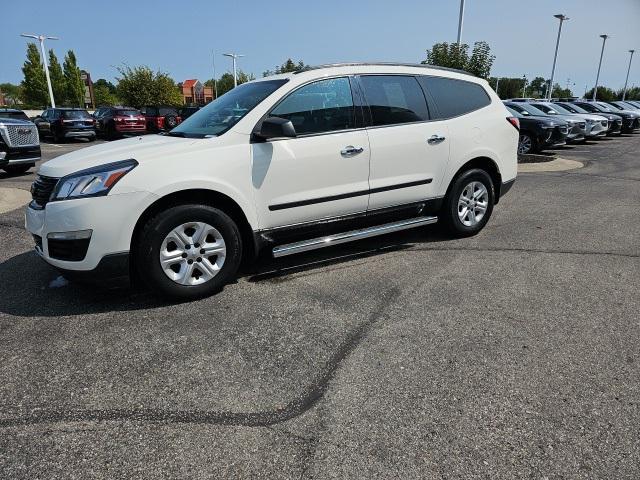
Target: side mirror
(276, 127)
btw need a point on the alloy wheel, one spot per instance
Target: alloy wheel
(473, 204)
(524, 144)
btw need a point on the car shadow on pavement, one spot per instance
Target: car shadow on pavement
(39, 290)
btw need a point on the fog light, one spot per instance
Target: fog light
(77, 235)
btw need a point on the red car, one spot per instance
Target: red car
(114, 122)
(161, 118)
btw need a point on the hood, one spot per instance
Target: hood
(14, 121)
(548, 120)
(142, 149)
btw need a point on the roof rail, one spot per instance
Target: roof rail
(382, 64)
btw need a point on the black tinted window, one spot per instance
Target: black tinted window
(75, 114)
(18, 115)
(455, 97)
(127, 113)
(168, 111)
(323, 106)
(394, 99)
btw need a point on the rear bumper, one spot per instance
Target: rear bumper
(78, 133)
(130, 128)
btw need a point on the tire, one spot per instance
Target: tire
(527, 144)
(453, 207)
(16, 169)
(189, 283)
(170, 122)
(110, 132)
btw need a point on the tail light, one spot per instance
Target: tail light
(160, 122)
(515, 122)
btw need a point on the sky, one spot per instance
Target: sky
(179, 37)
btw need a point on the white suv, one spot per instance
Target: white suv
(287, 163)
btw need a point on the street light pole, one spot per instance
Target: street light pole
(624, 92)
(41, 39)
(562, 18)
(460, 21)
(524, 86)
(215, 83)
(595, 89)
(234, 56)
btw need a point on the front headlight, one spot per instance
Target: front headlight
(93, 182)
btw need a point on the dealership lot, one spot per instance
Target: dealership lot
(507, 355)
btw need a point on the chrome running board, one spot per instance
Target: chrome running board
(330, 240)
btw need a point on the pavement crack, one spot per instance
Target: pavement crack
(313, 393)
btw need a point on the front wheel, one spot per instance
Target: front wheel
(469, 203)
(526, 144)
(188, 251)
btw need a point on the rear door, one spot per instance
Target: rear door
(324, 171)
(409, 153)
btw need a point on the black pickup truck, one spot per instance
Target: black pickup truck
(19, 142)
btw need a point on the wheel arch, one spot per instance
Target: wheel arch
(202, 196)
(483, 163)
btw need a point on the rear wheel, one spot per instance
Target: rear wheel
(469, 203)
(170, 122)
(188, 251)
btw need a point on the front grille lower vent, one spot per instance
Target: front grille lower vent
(41, 191)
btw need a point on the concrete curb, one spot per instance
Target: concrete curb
(557, 165)
(12, 198)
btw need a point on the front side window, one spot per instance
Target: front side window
(455, 97)
(319, 107)
(519, 109)
(394, 99)
(546, 109)
(227, 110)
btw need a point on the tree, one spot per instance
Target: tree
(537, 88)
(225, 82)
(456, 55)
(508, 87)
(604, 94)
(633, 93)
(58, 81)
(34, 85)
(74, 82)
(12, 93)
(101, 82)
(104, 93)
(559, 92)
(286, 67)
(139, 86)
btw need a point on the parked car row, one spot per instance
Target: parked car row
(545, 124)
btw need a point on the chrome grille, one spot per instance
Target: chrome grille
(41, 191)
(20, 135)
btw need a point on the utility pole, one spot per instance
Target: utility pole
(524, 87)
(41, 39)
(624, 92)
(460, 18)
(234, 56)
(595, 89)
(562, 18)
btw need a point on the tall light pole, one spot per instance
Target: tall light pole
(215, 83)
(595, 89)
(41, 39)
(624, 92)
(497, 85)
(524, 86)
(562, 18)
(460, 21)
(235, 56)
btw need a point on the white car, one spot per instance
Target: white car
(287, 163)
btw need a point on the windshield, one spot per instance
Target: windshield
(562, 110)
(572, 108)
(514, 113)
(517, 108)
(606, 107)
(17, 115)
(545, 108)
(533, 110)
(225, 111)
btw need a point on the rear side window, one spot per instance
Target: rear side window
(323, 106)
(394, 99)
(455, 97)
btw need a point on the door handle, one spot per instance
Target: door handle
(435, 139)
(351, 151)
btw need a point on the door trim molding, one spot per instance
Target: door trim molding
(341, 196)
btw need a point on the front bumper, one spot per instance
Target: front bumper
(597, 130)
(19, 155)
(111, 220)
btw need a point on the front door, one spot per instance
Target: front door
(321, 173)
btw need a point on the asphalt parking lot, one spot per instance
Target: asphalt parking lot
(513, 354)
